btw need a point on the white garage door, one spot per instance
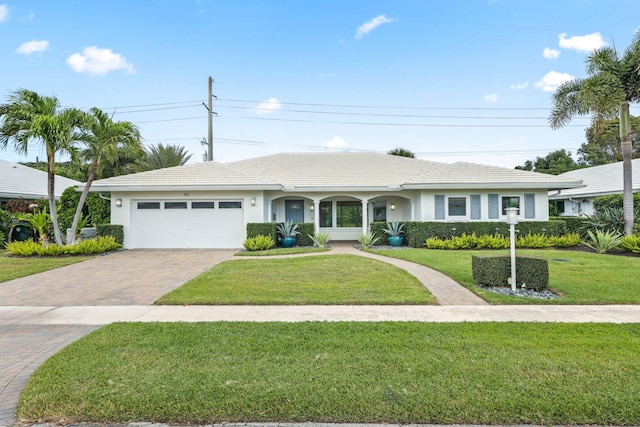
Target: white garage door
(187, 224)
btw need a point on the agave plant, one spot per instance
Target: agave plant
(394, 228)
(367, 240)
(288, 229)
(603, 241)
(321, 239)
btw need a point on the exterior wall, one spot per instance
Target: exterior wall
(577, 207)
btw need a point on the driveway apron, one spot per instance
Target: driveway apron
(134, 277)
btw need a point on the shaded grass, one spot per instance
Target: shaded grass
(330, 279)
(12, 267)
(382, 372)
(580, 277)
(282, 251)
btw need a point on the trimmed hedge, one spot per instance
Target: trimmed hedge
(574, 224)
(417, 233)
(114, 230)
(305, 229)
(495, 270)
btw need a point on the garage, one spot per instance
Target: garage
(187, 224)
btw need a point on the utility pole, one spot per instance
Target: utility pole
(209, 107)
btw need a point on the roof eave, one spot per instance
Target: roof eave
(492, 185)
(156, 188)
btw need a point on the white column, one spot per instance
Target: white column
(365, 224)
(269, 210)
(316, 215)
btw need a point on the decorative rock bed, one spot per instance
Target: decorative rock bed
(526, 293)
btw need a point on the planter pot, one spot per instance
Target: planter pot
(288, 242)
(396, 240)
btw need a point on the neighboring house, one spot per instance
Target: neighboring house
(598, 181)
(17, 181)
(208, 205)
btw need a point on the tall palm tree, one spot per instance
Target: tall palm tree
(103, 139)
(613, 83)
(29, 117)
(164, 156)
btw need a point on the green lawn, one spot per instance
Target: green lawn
(580, 277)
(380, 372)
(14, 267)
(282, 251)
(327, 279)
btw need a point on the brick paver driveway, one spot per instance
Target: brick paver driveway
(136, 277)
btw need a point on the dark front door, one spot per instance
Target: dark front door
(294, 210)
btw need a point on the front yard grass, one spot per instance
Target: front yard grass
(13, 267)
(327, 279)
(380, 372)
(282, 251)
(580, 277)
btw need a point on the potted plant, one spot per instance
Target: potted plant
(288, 232)
(394, 231)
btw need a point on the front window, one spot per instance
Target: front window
(457, 206)
(349, 214)
(326, 214)
(510, 202)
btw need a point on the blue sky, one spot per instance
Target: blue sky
(450, 80)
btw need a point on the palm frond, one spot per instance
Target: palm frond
(567, 103)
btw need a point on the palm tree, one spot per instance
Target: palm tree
(27, 117)
(103, 138)
(613, 83)
(164, 156)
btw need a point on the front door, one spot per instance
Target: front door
(294, 210)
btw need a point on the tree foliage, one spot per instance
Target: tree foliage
(554, 163)
(402, 152)
(164, 156)
(603, 143)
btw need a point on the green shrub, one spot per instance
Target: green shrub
(259, 243)
(603, 241)
(566, 241)
(99, 209)
(262, 228)
(368, 239)
(307, 231)
(86, 247)
(114, 230)
(321, 239)
(631, 243)
(67, 206)
(495, 270)
(607, 219)
(495, 241)
(573, 224)
(533, 241)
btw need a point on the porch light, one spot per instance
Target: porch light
(253, 201)
(119, 203)
(312, 207)
(393, 206)
(512, 220)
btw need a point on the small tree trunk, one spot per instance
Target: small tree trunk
(627, 176)
(83, 198)
(52, 199)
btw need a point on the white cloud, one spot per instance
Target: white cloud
(4, 12)
(33, 46)
(335, 142)
(28, 17)
(98, 62)
(582, 43)
(552, 80)
(550, 53)
(519, 86)
(367, 27)
(491, 98)
(266, 107)
(326, 75)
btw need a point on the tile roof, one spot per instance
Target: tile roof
(599, 180)
(18, 180)
(331, 171)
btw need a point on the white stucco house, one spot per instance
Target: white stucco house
(20, 181)
(603, 180)
(208, 205)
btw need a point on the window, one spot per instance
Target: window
(148, 205)
(475, 206)
(230, 205)
(558, 204)
(326, 214)
(529, 206)
(175, 205)
(349, 214)
(439, 206)
(202, 205)
(510, 202)
(494, 206)
(457, 206)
